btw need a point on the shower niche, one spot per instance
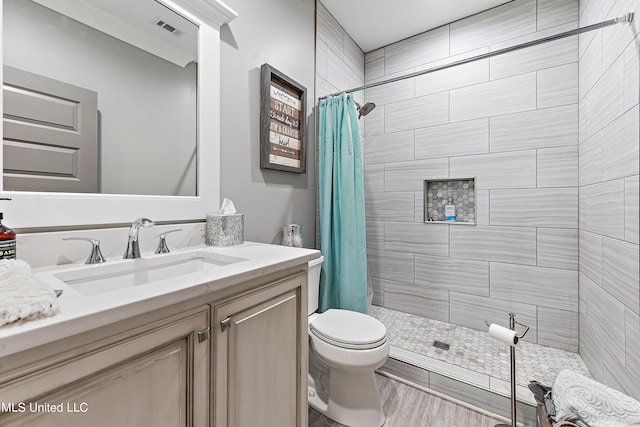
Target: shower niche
(459, 192)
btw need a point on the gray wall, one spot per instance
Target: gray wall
(138, 155)
(339, 66)
(512, 123)
(281, 33)
(609, 166)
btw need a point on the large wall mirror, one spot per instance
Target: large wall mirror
(99, 97)
(168, 168)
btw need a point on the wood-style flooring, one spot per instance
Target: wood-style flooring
(406, 406)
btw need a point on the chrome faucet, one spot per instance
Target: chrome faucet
(133, 248)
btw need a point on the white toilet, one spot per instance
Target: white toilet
(345, 348)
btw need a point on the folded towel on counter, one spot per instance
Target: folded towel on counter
(23, 296)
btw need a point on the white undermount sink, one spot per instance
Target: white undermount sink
(110, 277)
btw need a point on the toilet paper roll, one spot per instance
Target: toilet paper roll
(503, 334)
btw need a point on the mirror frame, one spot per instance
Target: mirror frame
(28, 210)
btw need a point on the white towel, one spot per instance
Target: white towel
(23, 296)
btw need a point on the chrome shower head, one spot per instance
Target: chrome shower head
(365, 109)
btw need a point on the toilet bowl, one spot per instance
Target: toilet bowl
(345, 348)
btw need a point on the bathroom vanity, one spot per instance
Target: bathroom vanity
(222, 343)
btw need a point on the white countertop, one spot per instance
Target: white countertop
(80, 313)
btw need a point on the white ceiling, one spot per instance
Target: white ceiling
(376, 23)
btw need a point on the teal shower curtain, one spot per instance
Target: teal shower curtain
(343, 279)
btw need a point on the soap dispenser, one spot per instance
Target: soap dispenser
(7, 241)
(450, 210)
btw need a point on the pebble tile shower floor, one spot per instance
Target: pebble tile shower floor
(475, 350)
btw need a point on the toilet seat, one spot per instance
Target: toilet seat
(348, 329)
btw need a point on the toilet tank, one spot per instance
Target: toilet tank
(313, 283)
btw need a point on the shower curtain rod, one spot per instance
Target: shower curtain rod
(627, 18)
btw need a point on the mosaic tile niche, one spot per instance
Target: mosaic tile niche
(461, 191)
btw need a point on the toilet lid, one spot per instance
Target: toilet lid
(349, 329)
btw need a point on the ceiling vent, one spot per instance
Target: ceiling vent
(167, 27)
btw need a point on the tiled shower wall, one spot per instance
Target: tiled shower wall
(512, 123)
(609, 166)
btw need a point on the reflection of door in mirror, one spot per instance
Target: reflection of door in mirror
(146, 121)
(50, 134)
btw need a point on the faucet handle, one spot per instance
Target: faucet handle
(96, 255)
(162, 244)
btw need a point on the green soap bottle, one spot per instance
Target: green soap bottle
(7, 241)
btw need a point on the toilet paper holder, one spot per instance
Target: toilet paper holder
(512, 357)
(512, 326)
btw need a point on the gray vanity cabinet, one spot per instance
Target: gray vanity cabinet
(260, 357)
(154, 375)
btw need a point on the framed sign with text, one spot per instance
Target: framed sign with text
(282, 122)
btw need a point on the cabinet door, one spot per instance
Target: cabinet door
(261, 358)
(155, 378)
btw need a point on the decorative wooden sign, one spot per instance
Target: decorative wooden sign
(282, 122)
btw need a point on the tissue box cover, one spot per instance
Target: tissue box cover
(224, 229)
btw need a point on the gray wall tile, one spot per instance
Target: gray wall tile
(590, 160)
(329, 30)
(549, 334)
(471, 311)
(558, 86)
(375, 234)
(457, 275)
(389, 147)
(605, 100)
(374, 64)
(406, 371)
(390, 265)
(546, 287)
(374, 178)
(419, 206)
(410, 176)
(494, 243)
(417, 50)
(353, 55)
(632, 333)
(390, 206)
(419, 300)
(555, 12)
(422, 238)
(631, 72)
(482, 207)
(497, 170)
(391, 92)
(339, 73)
(557, 167)
(590, 66)
(500, 23)
(378, 291)
(540, 207)
(549, 127)
(602, 207)
(452, 78)
(606, 315)
(621, 272)
(374, 122)
(552, 54)
(590, 255)
(504, 96)
(592, 350)
(453, 139)
(631, 209)
(417, 113)
(621, 151)
(558, 248)
(481, 398)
